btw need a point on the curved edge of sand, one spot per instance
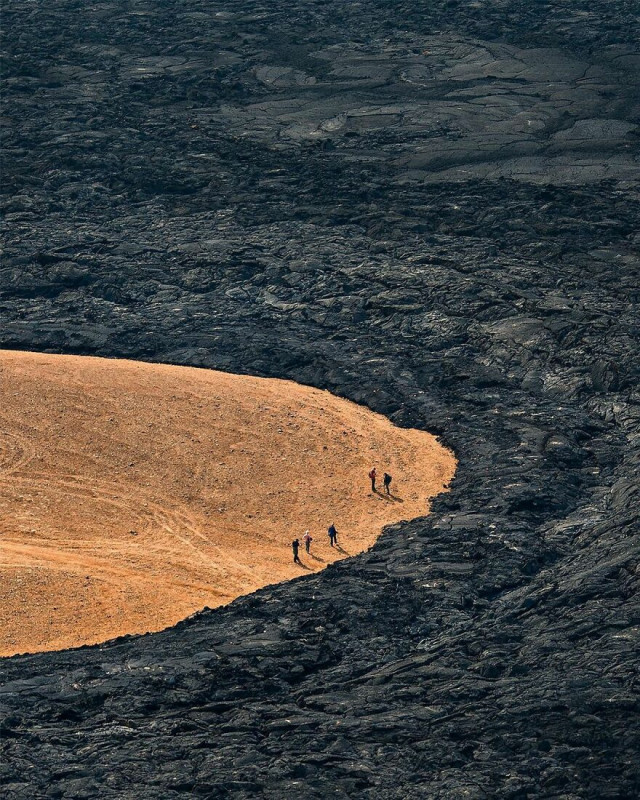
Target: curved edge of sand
(137, 494)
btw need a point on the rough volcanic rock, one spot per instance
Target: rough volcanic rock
(430, 208)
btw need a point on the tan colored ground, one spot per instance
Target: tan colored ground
(132, 494)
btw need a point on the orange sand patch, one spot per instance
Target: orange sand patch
(134, 494)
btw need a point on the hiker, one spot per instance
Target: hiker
(333, 535)
(372, 475)
(295, 544)
(307, 539)
(387, 482)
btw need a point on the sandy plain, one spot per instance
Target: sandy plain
(135, 494)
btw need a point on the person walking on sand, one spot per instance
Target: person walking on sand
(295, 544)
(333, 535)
(387, 482)
(372, 475)
(307, 539)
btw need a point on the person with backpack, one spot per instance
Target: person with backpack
(372, 475)
(295, 544)
(387, 482)
(333, 535)
(307, 539)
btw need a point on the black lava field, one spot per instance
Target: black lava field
(431, 208)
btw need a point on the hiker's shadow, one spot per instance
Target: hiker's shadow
(390, 498)
(317, 558)
(304, 566)
(341, 549)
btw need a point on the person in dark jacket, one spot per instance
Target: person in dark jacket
(295, 546)
(333, 535)
(387, 482)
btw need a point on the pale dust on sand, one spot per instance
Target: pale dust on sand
(135, 494)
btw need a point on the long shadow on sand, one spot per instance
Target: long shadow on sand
(390, 498)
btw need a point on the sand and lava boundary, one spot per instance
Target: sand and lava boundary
(134, 494)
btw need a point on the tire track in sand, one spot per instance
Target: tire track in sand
(176, 522)
(15, 452)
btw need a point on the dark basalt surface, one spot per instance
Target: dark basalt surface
(429, 208)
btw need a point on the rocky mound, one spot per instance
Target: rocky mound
(430, 208)
(135, 494)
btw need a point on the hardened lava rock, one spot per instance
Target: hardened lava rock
(429, 208)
